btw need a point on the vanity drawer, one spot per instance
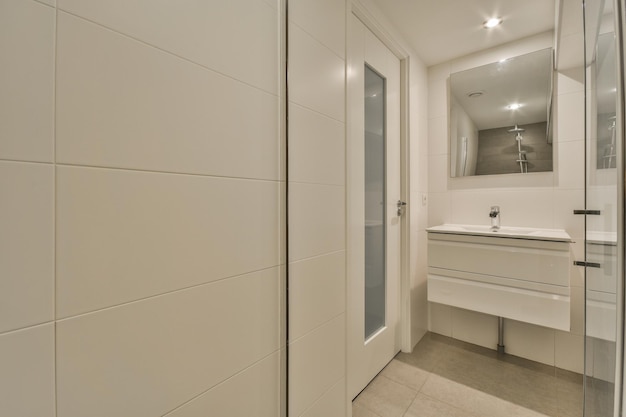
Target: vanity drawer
(537, 261)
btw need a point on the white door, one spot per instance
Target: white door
(372, 204)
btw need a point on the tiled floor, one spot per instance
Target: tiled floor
(444, 377)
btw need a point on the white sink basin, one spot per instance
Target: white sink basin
(504, 231)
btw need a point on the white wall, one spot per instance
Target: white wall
(140, 195)
(317, 244)
(418, 176)
(317, 277)
(533, 200)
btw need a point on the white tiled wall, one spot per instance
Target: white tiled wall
(26, 244)
(197, 229)
(140, 181)
(27, 32)
(149, 357)
(317, 277)
(418, 180)
(101, 114)
(27, 379)
(543, 200)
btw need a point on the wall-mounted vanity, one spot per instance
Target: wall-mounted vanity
(516, 273)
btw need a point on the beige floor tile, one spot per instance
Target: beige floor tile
(424, 406)
(466, 398)
(386, 397)
(358, 411)
(404, 374)
(427, 353)
(473, 380)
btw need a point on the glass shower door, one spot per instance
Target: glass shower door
(603, 278)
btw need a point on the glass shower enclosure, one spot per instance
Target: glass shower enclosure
(604, 209)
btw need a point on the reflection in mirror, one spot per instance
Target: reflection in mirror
(606, 87)
(499, 117)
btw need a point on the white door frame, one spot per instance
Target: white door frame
(383, 35)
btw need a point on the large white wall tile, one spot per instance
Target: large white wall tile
(316, 75)
(438, 136)
(253, 392)
(519, 208)
(325, 20)
(570, 163)
(26, 81)
(570, 116)
(48, 2)
(438, 173)
(528, 341)
(317, 292)
(419, 165)
(26, 244)
(317, 361)
(127, 105)
(332, 403)
(27, 377)
(126, 235)
(316, 147)
(149, 357)
(440, 319)
(438, 208)
(317, 220)
(196, 30)
(438, 98)
(418, 210)
(477, 328)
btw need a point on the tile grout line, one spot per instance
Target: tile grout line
(167, 293)
(167, 52)
(55, 207)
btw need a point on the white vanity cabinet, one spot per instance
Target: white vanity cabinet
(523, 276)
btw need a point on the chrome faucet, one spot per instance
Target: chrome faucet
(495, 218)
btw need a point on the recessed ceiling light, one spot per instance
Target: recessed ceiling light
(514, 106)
(492, 23)
(475, 94)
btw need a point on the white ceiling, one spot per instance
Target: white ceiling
(441, 30)
(525, 79)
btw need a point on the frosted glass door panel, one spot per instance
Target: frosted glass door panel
(375, 279)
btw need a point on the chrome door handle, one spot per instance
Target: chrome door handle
(400, 204)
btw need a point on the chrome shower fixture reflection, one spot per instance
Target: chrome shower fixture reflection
(522, 159)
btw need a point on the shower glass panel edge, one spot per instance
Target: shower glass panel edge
(604, 192)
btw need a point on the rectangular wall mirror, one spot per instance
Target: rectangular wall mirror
(499, 117)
